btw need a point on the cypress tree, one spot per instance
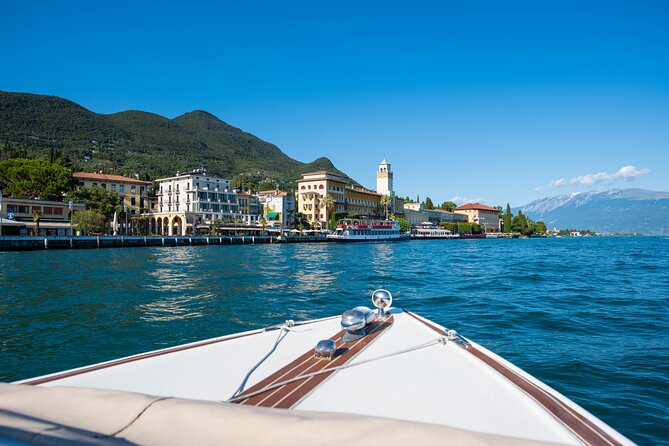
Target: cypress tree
(507, 219)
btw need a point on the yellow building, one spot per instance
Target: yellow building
(133, 192)
(315, 186)
(487, 217)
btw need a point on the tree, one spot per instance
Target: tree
(428, 204)
(405, 226)
(216, 227)
(103, 201)
(141, 225)
(250, 186)
(540, 227)
(448, 206)
(521, 224)
(24, 178)
(301, 221)
(327, 202)
(507, 219)
(89, 221)
(385, 202)
(37, 216)
(263, 223)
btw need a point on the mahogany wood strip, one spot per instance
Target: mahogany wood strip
(579, 425)
(290, 394)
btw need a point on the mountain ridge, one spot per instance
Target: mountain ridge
(136, 142)
(629, 210)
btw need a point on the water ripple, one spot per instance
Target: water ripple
(587, 316)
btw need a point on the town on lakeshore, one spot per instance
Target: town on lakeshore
(195, 203)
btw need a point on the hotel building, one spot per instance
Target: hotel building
(314, 186)
(190, 199)
(133, 192)
(487, 217)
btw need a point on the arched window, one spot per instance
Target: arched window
(303, 187)
(320, 187)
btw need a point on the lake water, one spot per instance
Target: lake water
(588, 316)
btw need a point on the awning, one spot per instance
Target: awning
(272, 215)
(8, 222)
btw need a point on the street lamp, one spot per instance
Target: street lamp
(69, 206)
(125, 211)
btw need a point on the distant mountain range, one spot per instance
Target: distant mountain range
(137, 142)
(613, 211)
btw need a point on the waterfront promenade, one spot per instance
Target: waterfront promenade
(32, 243)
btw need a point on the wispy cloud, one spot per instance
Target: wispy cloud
(466, 200)
(626, 173)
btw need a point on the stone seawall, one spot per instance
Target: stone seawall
(31, 243)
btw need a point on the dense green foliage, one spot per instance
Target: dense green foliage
(508, 216)
(136, 142)
(24, 178)
(89, 222)
(448, 206)
(404, 225)
(97, 199)
(428, 203)
(462, 227)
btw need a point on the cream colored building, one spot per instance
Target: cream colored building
(190, 199)
(487, 217)
(133, 192)
(314, 186)
(278, 207)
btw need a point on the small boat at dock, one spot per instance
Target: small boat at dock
(426, 231)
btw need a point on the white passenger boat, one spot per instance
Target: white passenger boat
(427, 230)
(382, 376)
(353, 230)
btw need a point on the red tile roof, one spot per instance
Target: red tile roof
(105, 177)
(476, 207)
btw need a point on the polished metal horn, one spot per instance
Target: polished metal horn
(382, 299)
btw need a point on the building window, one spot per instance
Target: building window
(104, 185)
(57, 211)
(133, 202)
(24, 210)
(320, 187)
(121, 188)
(113, 187)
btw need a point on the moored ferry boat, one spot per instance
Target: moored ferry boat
(368, 376)
(431, 231)
(354, 230)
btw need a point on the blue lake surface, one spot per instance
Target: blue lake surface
(588, 316)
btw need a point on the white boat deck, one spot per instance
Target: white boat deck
(443, 384)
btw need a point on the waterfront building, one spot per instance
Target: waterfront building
(415, 213)
(249, 207)
(315, 186)
(187, 200)
(487, 217)
(55, 216)
(133, 192)
(278, 207)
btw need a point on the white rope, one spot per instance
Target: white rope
(235, 397)
(283, 332)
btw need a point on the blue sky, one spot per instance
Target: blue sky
(492, 101)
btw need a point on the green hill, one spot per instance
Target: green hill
(140, 143)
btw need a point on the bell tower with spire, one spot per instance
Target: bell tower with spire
(384, 179)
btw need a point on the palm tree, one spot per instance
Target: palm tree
(263, 223)
(37, 216)
(385, 202)
(327, 202)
